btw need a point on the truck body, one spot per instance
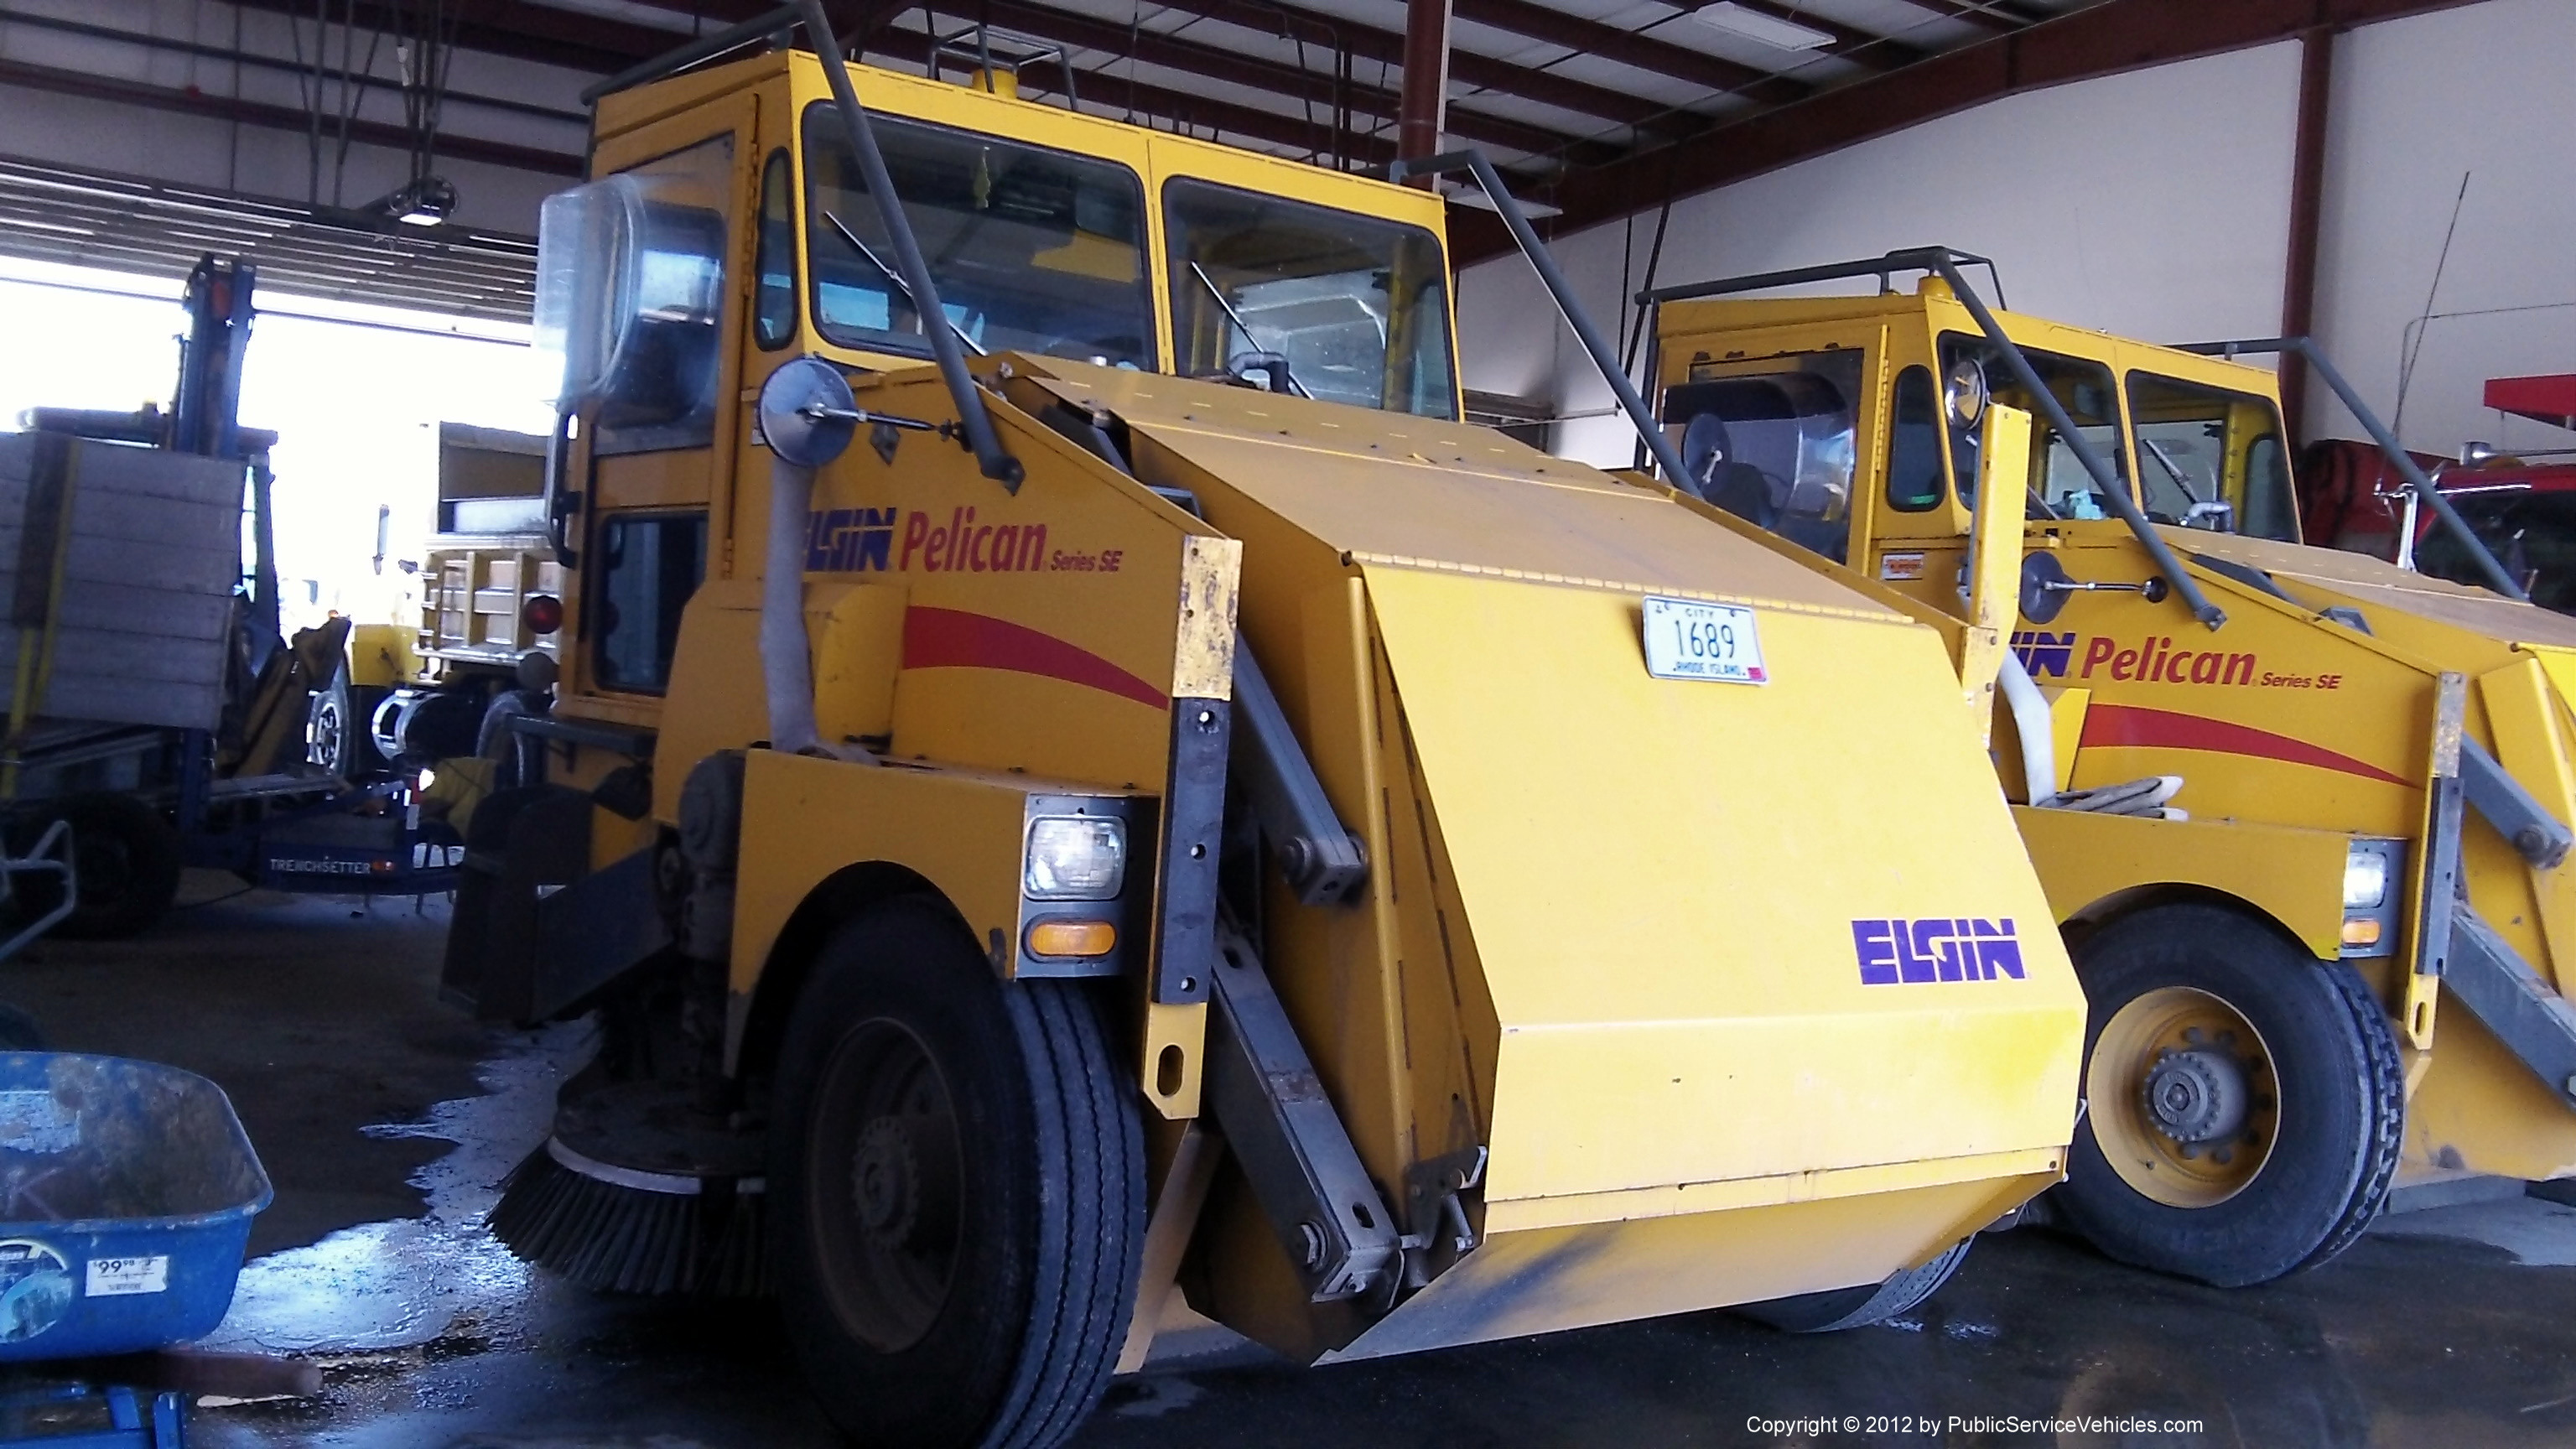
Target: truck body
(487, 556)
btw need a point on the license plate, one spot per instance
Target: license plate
(1686, 639)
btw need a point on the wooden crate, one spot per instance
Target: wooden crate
(146, 613)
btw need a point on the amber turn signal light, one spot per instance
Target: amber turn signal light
(1072, 938)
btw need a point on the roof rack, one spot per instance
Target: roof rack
(768, 30)
(1907, 259)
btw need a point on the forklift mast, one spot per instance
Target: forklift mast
(206, 415)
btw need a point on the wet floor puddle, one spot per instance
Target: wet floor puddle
(383, 1300)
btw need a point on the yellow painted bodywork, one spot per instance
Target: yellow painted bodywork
(1611, 1269)
(1608, 931)
(1609, 936)
(958, 830)
(2293, 731)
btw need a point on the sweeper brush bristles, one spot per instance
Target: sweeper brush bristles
(618, 1238)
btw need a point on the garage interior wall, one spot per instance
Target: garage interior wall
(2489, 92)
(542, 114)
(2156, 204)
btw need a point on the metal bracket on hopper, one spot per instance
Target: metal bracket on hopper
(1308, 1177)
(2534, 1022)
(1323, 861)
(2534, 833)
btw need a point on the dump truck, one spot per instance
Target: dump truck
(2301, 815)
(1080, 793)
(421, 692)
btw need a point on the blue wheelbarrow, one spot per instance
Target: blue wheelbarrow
(126, 1194)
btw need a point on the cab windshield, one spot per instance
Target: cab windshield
(1033, 250)
(1773, 441)
(1328, 304)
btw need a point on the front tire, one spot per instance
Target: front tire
(2245, 1100)
(957, 1187)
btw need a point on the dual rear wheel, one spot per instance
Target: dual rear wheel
(2244, 1101)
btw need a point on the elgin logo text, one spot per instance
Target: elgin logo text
(1901, 951)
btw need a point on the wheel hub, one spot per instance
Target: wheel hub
(886, 1183)
(2197, 1096)
(326, 736)
(2186, 1106)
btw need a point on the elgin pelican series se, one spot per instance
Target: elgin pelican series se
(997, 963)
(2300, 813)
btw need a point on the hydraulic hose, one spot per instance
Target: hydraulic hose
(786, 666)
(2036, 727)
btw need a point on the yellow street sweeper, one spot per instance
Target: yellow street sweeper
(2302, 815)
(1077, 787)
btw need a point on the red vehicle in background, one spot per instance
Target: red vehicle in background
(2522, 508)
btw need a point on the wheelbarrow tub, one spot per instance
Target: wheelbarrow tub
(126, 1194)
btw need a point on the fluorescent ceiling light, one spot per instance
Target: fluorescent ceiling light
(24, 223)
(1770, 30)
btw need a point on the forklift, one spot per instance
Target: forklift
(155, 711)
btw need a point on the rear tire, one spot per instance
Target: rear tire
(957, 1188)
(1840, 1308)
(125, 862)
(2245, 1100)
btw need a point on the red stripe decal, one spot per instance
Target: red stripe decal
(2124, 726)
(955, 639)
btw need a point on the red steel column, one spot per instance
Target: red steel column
(2307, 195)
(1424, 105)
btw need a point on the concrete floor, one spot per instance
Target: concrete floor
(386, 1119)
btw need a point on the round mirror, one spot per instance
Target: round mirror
(807, 413)
(2043, 588)
(1964, 392)
(1704, 450)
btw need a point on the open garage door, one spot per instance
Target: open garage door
(52, 214)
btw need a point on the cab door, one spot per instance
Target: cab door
(647, 446)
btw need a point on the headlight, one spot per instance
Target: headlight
(1075, 858)
(2365, 878)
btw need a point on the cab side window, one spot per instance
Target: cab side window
(1774, 443)
(2059, 480)
(1914, 445)
(2211, 458)
(667, 221)
(648, 565)
(773, 311)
